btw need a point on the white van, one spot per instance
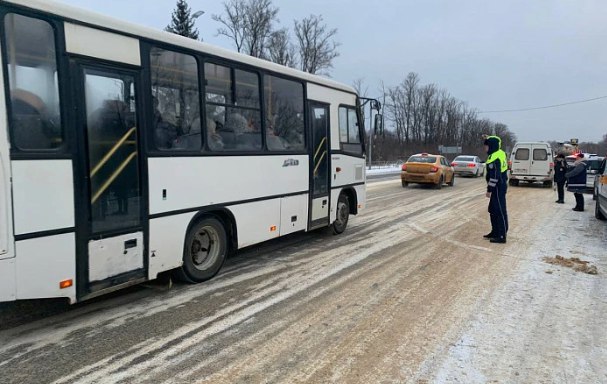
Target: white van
(531, 162)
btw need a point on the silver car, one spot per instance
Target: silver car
(597, 177)
(468, 165)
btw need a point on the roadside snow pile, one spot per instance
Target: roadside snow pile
(573, 262)
(384, 170)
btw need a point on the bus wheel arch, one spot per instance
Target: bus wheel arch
(209, 239)
(352, 199)
(345, 204)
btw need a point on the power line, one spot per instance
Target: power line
(545, 107)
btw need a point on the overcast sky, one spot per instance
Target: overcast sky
(493, 55)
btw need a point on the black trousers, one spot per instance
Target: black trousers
(560, 188)
(498, 213)
(579, 200)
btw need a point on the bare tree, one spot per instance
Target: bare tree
(317, 49)
(248, 23)
(234, 22)
(425, 117)
(426, 96)
(280, 50)
(409, 92)
(360, 87)
(259, 20)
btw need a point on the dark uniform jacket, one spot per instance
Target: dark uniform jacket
(560, 168)
(496, 175)
(576, 178)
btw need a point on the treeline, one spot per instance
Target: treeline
(422, 117)
(599, 148)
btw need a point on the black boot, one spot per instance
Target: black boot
(500, 240)
(489, 235)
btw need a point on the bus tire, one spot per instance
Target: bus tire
(342, 215)
(205, 250)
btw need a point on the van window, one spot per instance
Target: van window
(522, 154)
(540, 154)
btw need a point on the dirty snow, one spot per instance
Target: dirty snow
(547, 324)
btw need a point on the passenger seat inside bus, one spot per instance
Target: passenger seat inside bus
(29, 118)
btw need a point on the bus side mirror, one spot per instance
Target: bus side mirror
(378, 124)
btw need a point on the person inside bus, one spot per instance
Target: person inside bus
(30, 124)
(190, 141)
(213, 138)
(234, 127)
(275, 143)
(165, 133)
(252, 127)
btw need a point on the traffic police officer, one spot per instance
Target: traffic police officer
(497, 185)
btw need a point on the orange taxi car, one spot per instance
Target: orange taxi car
(425, 168)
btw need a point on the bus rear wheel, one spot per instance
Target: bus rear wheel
(205, 251)
(343, 214)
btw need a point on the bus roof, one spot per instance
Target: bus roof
(79, 15)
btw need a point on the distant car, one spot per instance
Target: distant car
(425, 168)
(597, 178)
(600, 210)
(592, 168)
(468, 165)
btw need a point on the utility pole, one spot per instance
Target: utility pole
(371, 134)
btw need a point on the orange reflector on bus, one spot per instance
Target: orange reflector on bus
(65, 284)
(273, 228)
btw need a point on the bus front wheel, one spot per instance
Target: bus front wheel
(343, 213)
(205, 251)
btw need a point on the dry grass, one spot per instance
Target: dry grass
(576, 263)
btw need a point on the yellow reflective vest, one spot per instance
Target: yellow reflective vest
(501, 156)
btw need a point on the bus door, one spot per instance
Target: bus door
(320, 163)
(109, 228)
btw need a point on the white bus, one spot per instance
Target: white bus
(126, 152)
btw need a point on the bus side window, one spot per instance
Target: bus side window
(34, 91)
(176, 101)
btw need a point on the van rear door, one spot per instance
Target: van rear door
(521, 160)
(540, 161)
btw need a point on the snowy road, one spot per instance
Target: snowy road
(411, 292)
